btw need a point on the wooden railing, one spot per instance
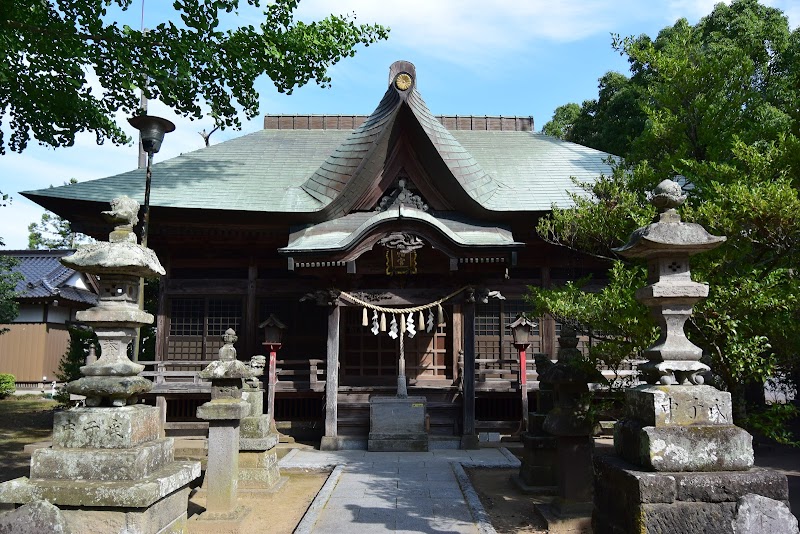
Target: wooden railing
(492, 373)
(179, 376)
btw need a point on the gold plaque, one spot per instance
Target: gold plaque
(399, 263)
(403, 81)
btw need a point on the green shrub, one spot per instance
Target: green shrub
(7, 385)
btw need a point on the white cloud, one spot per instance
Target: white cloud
(465, 31)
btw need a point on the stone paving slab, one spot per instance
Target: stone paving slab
(375, 492)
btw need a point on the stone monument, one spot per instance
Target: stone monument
(682, 465)
(571, 424)
(397, 424)
(224, 413)
(109, 469)
(537, 470)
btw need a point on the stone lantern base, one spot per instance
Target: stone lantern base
(629, 500)
(109, 471)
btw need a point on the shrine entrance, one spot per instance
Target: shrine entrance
(372, 360)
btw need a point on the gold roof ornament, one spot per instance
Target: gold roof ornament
(403, 81)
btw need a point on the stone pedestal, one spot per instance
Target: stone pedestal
(682, 428)
(222, 470)
(258, 457)
(109, 471)
(630, 500)
(397, 424)
(537, 470)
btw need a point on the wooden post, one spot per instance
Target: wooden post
(329, 441)
(469, 439)
(162, 318)
(250, 342)
(272, 380)
(523, 387)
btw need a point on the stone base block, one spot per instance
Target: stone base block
(678, 405)
(397, 424)
(470, 442)
(627, 499)
(216, 523)
(224, 409)
(103, 464)
(538, 462)
(89, 493)
(567, 523)
(264, 443)
(167, 516)
(528, 489)
(398, 442)
(684, 448)
(259, 470)
(255, 427)
(106, 428)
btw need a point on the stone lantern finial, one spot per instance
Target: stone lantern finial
(666, 244)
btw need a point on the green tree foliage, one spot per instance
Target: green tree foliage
(51, 45)
(609, 123)
(8, 385)
(563, 119)
(719, 102)
(9, 308)
(54, 232)
(80, 339)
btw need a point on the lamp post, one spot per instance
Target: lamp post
(151, 131)
(273, 332)
(522, 332)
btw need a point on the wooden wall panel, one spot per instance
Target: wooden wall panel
(56, 347)
(22, 350)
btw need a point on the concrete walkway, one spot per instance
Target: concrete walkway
(374, 492)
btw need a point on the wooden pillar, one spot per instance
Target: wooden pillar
(548, 326)
(469, 439)
(162, 317)
(330, 441)
(251, 346)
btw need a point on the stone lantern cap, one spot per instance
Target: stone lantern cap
(121, 255)
(667, 234)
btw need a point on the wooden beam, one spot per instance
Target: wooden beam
(469, 439)
(548, 328)
(329, 441)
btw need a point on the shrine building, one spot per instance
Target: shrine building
(356, 232)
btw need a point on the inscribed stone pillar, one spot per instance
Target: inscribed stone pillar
(330, 439)
(223, 412)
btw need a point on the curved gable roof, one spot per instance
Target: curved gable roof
(355, 164)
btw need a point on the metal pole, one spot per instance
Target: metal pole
(523, 386)
(145, 229)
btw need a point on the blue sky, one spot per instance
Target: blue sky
(481, 57)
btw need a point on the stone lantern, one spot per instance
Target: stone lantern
(109, 469)
(666, 244)
(682, 464)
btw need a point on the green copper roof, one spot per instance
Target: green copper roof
(265, 171)
(346, 232)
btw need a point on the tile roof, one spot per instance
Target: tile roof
(43, 276)
(309, 170)
(265, 172)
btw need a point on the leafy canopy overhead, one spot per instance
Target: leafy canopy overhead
(54, 47)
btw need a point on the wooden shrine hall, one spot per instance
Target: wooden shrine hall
(355, 231)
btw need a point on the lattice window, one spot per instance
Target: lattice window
(494, 348)
(197, 324)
